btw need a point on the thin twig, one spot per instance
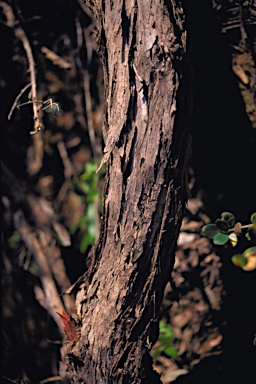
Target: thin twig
(44, 104)
(68, 170)
(87, 96)
(10, 19)
(86, 9)
(242, 25)
(56, 59)
(35, 154)
(50, 379)
(20, 34)
(56, 263)
(30, 102)
(38, 125)
(242, 227)
(16, 100)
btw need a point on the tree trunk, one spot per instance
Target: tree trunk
(146, 150)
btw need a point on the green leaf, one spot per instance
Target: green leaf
(33, 267)
(14, 239)
(170, 351)
(233, 239)
(250, 252)
(245, 261)
(164, 328)
(229, 218)
(253, 218)
(85, 242)
(222, 225)
(210, 230)
(220, 239)
(248, 235)
(165, 341)
(239, 260)
(156, 354)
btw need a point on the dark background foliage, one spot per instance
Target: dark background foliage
(224, 161)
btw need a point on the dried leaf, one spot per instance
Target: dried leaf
(212, 342)
(185, 238)
(172, 375)
(238, 228)
(70, 327)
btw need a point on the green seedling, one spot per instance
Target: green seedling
(165, 341)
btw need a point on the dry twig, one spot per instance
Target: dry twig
(48, 296)
(41, 244)
(68, 170)
(86, 84)
(56, 59)
(21, 35)
(50, 379)
(16, 100)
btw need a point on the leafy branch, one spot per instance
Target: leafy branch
(226, 229)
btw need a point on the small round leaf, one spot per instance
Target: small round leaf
(222, 225)
(229, 218)
(250, 252)
(239, 260)
(233, 239)
(248, 235)
(210, 230)
(253, 218)
(170, 351)
(220, 239)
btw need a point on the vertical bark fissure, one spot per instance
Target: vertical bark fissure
(144, 195)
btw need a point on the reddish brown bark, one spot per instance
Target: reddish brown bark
(146, 149)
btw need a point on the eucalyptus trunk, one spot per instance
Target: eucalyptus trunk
(146, 121)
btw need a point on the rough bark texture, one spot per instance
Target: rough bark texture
(146, 149)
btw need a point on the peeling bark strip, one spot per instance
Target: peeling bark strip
(146, 148)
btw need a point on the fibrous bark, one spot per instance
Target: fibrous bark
(146, 150)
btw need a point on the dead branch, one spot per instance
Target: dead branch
(68, 170)
(87, 95)
(57, 266)
(49, 297)
(41, 243)
(21, 35)
(50, 379)
(85, 8)
(56, 59)
(35, 154)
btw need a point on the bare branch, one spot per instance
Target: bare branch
(68, 170)
(86, 85)
(49, 296)
(50, 379)
(16, 100)
(20, 34)
(85, 8)
(56, 59)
